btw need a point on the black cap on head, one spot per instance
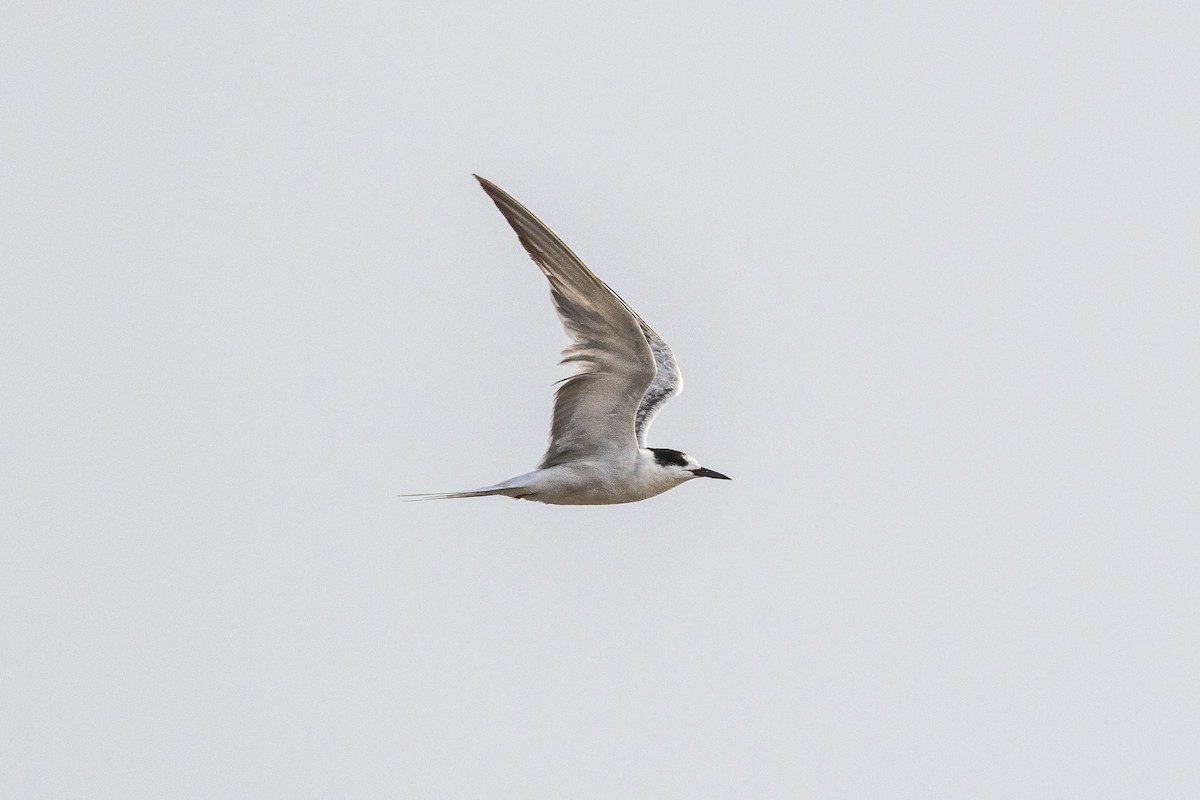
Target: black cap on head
(665, 456)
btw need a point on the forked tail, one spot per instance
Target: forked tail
(409, 498)
(516, 488)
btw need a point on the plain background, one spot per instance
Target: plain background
(930, 270)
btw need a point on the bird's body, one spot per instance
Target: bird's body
(589, 482)
(623, 374)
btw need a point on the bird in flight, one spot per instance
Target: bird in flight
(623, 374)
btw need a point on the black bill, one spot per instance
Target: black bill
(705, 472)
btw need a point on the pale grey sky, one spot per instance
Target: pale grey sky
(930, 271)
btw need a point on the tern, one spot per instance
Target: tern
(623, 374)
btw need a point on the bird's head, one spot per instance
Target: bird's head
(684, 465)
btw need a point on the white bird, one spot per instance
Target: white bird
(623, 374)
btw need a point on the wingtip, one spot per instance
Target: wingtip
(500, 197)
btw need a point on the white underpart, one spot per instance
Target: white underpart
(593, 482)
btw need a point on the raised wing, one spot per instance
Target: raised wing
(596, 408)
(667, 382)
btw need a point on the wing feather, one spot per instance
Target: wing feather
(668, 382)
(598, 409)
